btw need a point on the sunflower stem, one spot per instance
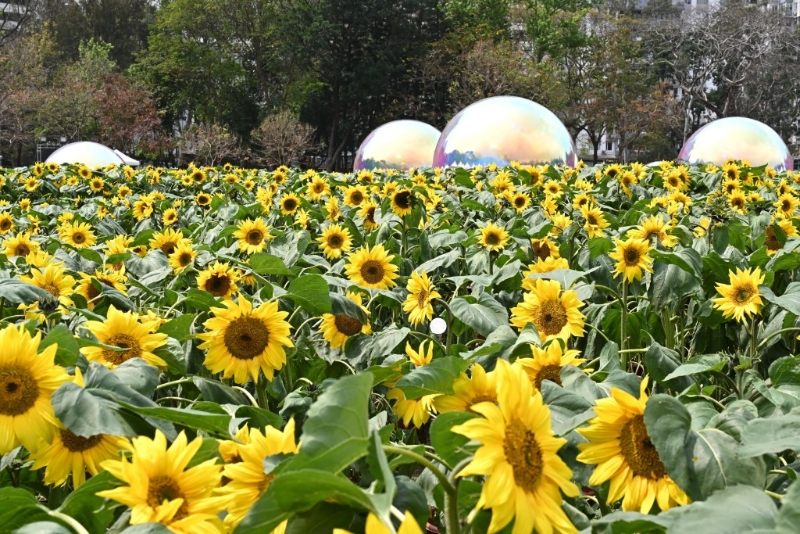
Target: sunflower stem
(261, 392)
(174, 383)
(623, 323)
(424, 462)
(404, 238)
(451, 501)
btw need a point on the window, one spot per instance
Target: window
(609, 145)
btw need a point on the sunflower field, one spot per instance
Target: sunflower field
(609, 349)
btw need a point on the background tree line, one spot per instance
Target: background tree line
(269, 82)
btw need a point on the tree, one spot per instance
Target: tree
(282, 139)
(210, 144)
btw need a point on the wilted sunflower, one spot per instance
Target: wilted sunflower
(741, 297)
(493, 237)
(252, 235)
(402, 202)
(77, 234)
(289, 204)
(621, 448)
(337, 329)
(372, 268)
(161, 489)
(632, 258)
(183, 256)
(518, 455)
(554, 313)
(28, 378)
(467, 391)
(6, 222)
(247, 480)
(218, 279)
(127, 331)
(334, 241)
(547, 363)
(54, 280)
(242, 341)
(20, 245)
(420, 293)
(167, 241)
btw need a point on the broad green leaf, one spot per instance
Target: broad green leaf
(18, 507)
(767, 436)
(323, 518)
(259, 417)
(300, 490)
(68, 348)
(450, 446)
(89, 509)
(789, 514)
(661, 362)
(213, 423)
(699, 364)
(435, 377)
(735, 418)
(147, 528)
(632, 523)
(733, 510)
(340, 304)
(445, 260)
(363, 350)
(789, 302)
(43, 527)
(218, 392)
(785, 370)
(310, 292)
(18, 292)
(668, 426)
(484, 316)
(179, 328)
(336, 432)
(566, 277)
(268, 264)
(686, 259)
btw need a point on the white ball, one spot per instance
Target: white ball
(438, 325)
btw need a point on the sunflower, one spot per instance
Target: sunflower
(242, 341)
(183, 256)
(657, 227)
(337, 329)
(84, 172)
(595, 221)
(39, 259)
(544, 248)
(169, 217)
(31, 184)
(554, 313)
(730, 170)
(198, 176)
(218, 279)
(547, 363)
(28, 378)
(333, 210)
(621, 448)
(247, 480)
(126, 331)
(786, 205)
(24, 204)
(77, 234)
(402, 202)
(741, 297)
(738, 202)
(355, 195)
(542, 266)
(252, 235)
(420, 293)
(374, 525)
(493, 237)
(167, 241)
(20, 245)
(770, 238)
(54, 280)
(6, 222)
(96, 184)
(160, 488)
(613, 170)
(372, 268)
(143, 208)
(334, 241)
(289, 204)
(518, 455)
(414, 411)
(317, 188)
(112, 279)
(203, 200)
(632, 258)
(69, 453)
(367, 212)
(468, 391)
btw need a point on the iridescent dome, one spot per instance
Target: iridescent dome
(399, 145)
(737, 138)
(502, 129)
(88, 153)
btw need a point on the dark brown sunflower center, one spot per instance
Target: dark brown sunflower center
(255, 237)
(519, 202)
(165, 488)
(246, 337)
(737, 202)
(79, 237)
(123, 341)
(771, 240)
(168, 248)
(632, 256)
(552, 317)
(524, 455)
(403, 200)
(743, 294)
(52, 289)
(612, 172)
(371, 215)
(347, 325)
(548, 372)
(786, 205)
(422, 298)
(5, 224)
(356, 197)
(372, 271)
(335, 241)
(22, 250)
(541, 251)
(289, 204)
(75, 443)
(218, 284)
(639, 451)
(318, 187)
(730, 188)
(731, 173)
(492, 238)
(591, 219)
(18, 390)
(184, 259)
